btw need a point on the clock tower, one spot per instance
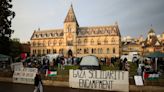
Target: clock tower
(70, 32)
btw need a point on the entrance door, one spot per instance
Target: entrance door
(70, 53)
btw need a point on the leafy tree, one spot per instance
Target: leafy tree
(6, 15)
(15, 48)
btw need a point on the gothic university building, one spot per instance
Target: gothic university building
(72, 40)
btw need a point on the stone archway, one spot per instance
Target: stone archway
(70, 53)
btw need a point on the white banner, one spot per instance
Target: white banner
(24, 75)
(16, 66)
(99, 80)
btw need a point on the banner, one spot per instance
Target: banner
(24, 75)
(16, 66)
(99, 80)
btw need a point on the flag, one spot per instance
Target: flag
(151, 76)
(51, 73)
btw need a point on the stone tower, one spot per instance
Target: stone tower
(70, 32)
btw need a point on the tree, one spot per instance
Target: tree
(6, 15)
(15, 48)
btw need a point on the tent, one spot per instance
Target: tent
(89, 60)
(156, 55)
(4, 57)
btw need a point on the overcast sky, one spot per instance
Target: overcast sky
(134, 17)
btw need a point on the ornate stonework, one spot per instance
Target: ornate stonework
(102, 41)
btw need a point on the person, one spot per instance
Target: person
(38, 83)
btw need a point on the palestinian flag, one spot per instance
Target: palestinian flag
(51, 73)
(151, 76)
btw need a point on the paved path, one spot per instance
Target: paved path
(13, 87)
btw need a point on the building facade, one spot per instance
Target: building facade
(72, 40)
(152, 43)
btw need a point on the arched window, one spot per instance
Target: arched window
(60, 42)
(39, 43)
(114, 50)
(44, 43)
(105, 41)
(79, 42)
(55, 42)
(92, 42)
(107, 51)
(98, 42)
(54, 51)
(34, 44)
(112, 40)
(49, 43)
(85, 41)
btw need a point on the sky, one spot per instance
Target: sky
(134, 17)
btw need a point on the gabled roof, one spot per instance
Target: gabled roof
(153, 41)
(70, 16)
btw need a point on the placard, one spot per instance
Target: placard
(24, 75)
(99, 80)
(138, 80)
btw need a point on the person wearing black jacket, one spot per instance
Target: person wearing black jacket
(38, 83)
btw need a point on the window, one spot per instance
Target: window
(79, 42)
(113, 40)
(39, 52)
(98, 42)
(39, 44)
(34, 44)
(92, 42)
(78, 51)
(55, 42)
(60, 42)
(92, 51)
(105, 41)
(48, 51)
(61, 34)
(107, 51)
(51, 34)
(54, 51)
(114, 51)
(49, 43)
(61, 51)
(70, 42)
(85, 41)
(43, 51)
(86, 51)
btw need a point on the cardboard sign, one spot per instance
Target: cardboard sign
(99, 80)
(138, 80)
(24, 75)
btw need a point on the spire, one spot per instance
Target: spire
(71, 16)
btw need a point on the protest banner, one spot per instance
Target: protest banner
(24, 75)
(16, 66)
(99, 80)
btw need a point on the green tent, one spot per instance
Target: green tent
(4, 57)
(156, 54)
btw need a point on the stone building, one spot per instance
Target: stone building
(72, 40)
(152, 43)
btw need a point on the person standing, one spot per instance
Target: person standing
(38, 83)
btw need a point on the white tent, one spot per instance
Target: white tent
(89, 61)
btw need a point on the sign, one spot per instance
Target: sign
(138, 80)
(24, 75)
(99, 80)
(16, 66)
